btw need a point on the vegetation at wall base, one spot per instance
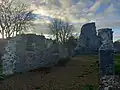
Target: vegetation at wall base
(117, 63)
(63, 61)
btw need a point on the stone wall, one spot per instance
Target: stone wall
(27, 52)
(2, 45)
(106, 35)
(108, 79)
(106, 51)
(63, 51)
(89, 42)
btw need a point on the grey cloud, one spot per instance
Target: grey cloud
(78, 12)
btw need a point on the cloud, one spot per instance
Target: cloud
(96, 6)
(104, 12)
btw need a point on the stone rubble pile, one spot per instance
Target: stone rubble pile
(110, 82)
(108, 79)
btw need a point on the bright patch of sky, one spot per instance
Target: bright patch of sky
(106, 13)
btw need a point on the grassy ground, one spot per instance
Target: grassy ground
(80, 73)
(117, 63)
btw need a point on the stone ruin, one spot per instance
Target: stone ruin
(108, 79)
(28, 52)
(106, 51)
(89, 41)
(102, 43)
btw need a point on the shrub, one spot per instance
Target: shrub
(63, 61)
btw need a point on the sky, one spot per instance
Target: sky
(105, 13)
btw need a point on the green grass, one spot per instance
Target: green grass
(2, 77)
(83, 87)
(117, 63)
(90, 87)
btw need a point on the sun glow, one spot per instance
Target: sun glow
(40, 11)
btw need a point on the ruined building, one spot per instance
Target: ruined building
(89, 40)
(28, 52)
(106, 52)
(106, 35)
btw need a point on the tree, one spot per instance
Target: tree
(14, 19)
(61, 30)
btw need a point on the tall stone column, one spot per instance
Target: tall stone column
(106, 52)
(106, 59)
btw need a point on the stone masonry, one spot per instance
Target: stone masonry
(28, 52)
(88, 42)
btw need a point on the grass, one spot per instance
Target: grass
(77, 87)
(77, 73)
(89, 87)
(117, 63)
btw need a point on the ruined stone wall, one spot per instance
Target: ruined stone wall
(89, 42)
(108, 80)
(9, 57)
(106, 35)
(28, 52)
(106, 51)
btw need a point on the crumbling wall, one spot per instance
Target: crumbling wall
(108, 79)
(9, 57)
(89, 42)
(28, 52)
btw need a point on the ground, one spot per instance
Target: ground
(80, 72)
(117, 63)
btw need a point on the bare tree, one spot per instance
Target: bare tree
(14, 19)
(61, 29)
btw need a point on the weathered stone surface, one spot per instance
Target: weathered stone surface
(110, 82)
(89, 42)
(106, 52)
(9, 58)
(106, 35)
(28, 52)
(107, 78)
(106, 62)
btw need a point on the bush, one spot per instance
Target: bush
(63, 61)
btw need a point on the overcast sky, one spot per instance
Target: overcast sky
(106, 13)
